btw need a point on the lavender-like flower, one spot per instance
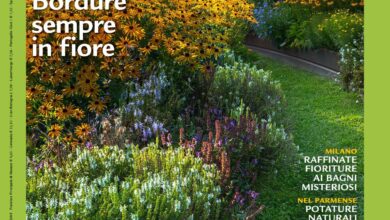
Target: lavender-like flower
(88, 145)
(252, 194)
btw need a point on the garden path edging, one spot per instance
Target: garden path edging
(322, 62)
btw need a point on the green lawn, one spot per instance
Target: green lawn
(320, 115)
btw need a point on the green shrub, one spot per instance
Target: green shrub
(327, 5)
(252, 104)
(339, 28)
(113, 183)
(274, 22)
(352, 66)
(237, 82)
(304, 34)
(301, 26)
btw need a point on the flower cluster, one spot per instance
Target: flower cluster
(222, 152)
(319, 3)
(133, 121)
(352, 65)
(238, 133)
(113, 183)
(64, 91)
(263, 12)
(240, 150)
(341, 27)
(300, 26)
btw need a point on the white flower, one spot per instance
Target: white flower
(69, 212)
(122, 208)
(177, 206)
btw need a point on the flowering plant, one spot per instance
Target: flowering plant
(113, 183)
(236, 82)
(243, 143)
(136, 118)
(352, 65)
(62, 92)
(340, 28)
(297, 24)
(326, 3)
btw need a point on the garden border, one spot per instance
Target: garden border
(321, 61)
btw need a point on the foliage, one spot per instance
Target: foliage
(299, 26)
(238, 132)
(274, 22)
(113, 183)
(321, 114)
(237, 81)
(136, 118)
(339, 28)
(327, 4)
(171, 81)
(352, 65)
(235, 130)
(63, 92)
(335, 25)
(263, 14)
(242, 147)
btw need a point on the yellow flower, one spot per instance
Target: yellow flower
(96, 106)
(76, 143)
(148, 49)
(90, 91)
(70, 90)
(57, 99)
(186, 57)
(134, 30)
(124, 43)
(78, 113)
(208, 68)
(191, 32)
(68, 137)
(63, 112)
(33, 91)
(45, 109)
(55, 131)
(82, 131)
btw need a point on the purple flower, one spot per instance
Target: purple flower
(144, 135)
(148, 132)
(253, 194)
(242, 201)
(88, 145)
(148, 119)
(231, 125)
(127, 109)
(198, 153)
(198, 137)
(39, 166)
(155, 127)
(238, 198)
(161, 127)
(138, 126)
(137, 113)
(225, 140)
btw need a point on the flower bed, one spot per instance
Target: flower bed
(314, 25)
(113, 183)
(193, 125)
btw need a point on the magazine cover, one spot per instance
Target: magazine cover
(192, 109)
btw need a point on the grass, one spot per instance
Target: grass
(320, 115)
